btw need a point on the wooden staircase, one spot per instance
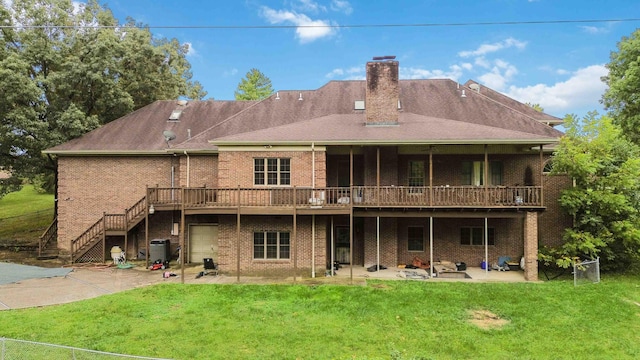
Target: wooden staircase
(90, 245)
(47, 244)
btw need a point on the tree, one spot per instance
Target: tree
(535, 106)
(65, 71)
(254, 86)
(622, 96)
(605, 200)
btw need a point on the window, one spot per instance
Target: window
(473, 173)
(415, 237)
(272, 171)
(475, 236)
(416, 173)
(271, 245)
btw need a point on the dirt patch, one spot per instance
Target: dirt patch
(487, 320)
(28, 258)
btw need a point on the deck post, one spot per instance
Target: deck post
(377, 243)
(182, 233)
(295, 235)
(126, 232)
(146, 229)
(486, 175)
(541, 176)
(431, 247)
(313, 245)
(431, 176)
(104, 235)
(351, 214)
(486, 247)
(238, 235)
(378, 176)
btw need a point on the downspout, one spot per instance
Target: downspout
(188, 166)
(486, 247)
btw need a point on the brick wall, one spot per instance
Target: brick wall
(388, 242)
(509, 240)
(203, 171)
(227, 245)
(90, 186)
(553, 220)
(236, 168)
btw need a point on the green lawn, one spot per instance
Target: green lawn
(383, 320)
(24, 215)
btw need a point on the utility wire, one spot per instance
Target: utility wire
(533, 22)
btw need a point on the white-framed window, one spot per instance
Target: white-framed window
(271, 245)
(474, 235)
(272, 171)
(415, 238)
(473, 173)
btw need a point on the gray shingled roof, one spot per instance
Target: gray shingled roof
(432, 111)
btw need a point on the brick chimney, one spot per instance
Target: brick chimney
(382, 94)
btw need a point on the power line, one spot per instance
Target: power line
(533, 22)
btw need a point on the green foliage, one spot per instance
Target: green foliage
(65, 71)
(536, 107)
(621, 98)
(383, 320)
(605, 199)
(254, 86)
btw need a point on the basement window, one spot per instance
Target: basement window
(475, 236)
(271, 245)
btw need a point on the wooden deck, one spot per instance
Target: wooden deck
(274, 200)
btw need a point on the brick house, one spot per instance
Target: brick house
(358, 172)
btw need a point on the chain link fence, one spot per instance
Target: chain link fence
(12, 349)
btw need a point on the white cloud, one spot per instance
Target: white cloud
(595, 30)
(341, 6)
(352, 73)
(583, 90)
(454, 73)
(191, 51)
(309, 6)
(307, 30)
(490, 48)
(231, 72)
(500, 74)
(482, 62)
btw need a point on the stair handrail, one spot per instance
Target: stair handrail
(97, 229)
(48, 235)
(136, 210)
(87, 237)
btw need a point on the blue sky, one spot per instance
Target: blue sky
(557, 65)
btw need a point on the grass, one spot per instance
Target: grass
(383, 320)
(24, 215)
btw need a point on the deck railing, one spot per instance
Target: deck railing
(358, 196)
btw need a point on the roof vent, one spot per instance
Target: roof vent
(475, 87)
(463, 94)
(300, 98)
(182, 102)
(175, 115)
(277, 95)
(358, 105)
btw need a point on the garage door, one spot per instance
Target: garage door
(203, 243)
